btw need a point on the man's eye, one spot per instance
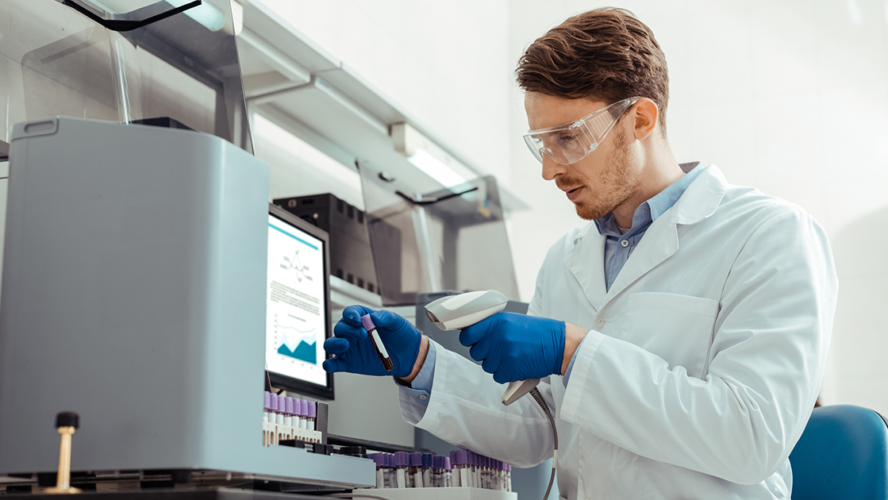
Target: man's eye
(567, 140)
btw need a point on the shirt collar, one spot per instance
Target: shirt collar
(653, 208)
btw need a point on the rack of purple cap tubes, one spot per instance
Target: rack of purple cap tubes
(288, 418)
(462, 469)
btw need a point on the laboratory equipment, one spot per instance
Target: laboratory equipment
(461, 311)
(298, 306)
(151, 281)
(67, 424)
(450, 239)
(351, 258)
(384, 358)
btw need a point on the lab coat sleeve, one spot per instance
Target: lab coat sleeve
(465, 408)
(767, 361)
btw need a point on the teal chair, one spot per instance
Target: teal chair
(843, 454)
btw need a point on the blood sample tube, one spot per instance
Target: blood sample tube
(377, 342)
(427, 470)
(312, 415)
(288, 413)
(448, 473)
(266, 409)
(401, 471)
(303, 406)
(508, 477)
(437, 471)
(414, 478)
(379, 460)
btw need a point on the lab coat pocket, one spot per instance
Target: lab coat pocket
(678, 328)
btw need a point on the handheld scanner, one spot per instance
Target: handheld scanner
(461, 311)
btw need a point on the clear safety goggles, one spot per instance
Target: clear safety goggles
(571, 142)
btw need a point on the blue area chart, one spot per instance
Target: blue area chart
(303, 352)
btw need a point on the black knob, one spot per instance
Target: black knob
(67, 419)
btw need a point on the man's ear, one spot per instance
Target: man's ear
(646, 115)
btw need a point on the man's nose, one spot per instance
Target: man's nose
(551, 168)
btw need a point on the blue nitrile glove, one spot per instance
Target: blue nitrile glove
(354, 350)
(516, 347)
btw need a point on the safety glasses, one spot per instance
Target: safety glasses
(571, 142)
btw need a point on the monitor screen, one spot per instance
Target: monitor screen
(297, 311)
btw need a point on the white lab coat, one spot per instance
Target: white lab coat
(701, 366)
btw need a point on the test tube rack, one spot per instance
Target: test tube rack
(273, 434)
(438, 494)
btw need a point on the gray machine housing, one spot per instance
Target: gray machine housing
(134, 291)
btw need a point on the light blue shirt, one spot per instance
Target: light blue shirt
(617, 249)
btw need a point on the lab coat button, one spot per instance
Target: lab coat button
(600, 322)
(624, 243)
(423, 397)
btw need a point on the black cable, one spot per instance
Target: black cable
(535, 394)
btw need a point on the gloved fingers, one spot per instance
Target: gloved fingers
(491, 364)
(336, 345)
(333, 365)
(352, 314)
(474, 333)
(504, 376)
(347, 331)
(387, 320)
(480, 351)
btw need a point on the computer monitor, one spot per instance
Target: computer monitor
(297, 305)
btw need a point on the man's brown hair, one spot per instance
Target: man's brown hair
(605, 54)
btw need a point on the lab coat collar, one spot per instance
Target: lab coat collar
(660, 241)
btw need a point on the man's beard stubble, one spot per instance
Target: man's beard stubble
(618, 176)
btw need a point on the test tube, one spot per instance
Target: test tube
(288, 412)
(448, 473)
(312, 415)
(437, 471)
(414, 478)
(508, 477)
(303, 408)
(401, 471)
(472, 469)
(455, 465)
(379, 460)
(483, 472)
(427, 470)
(368, 324)
(462, 477)
(266, 411)
(391, 480)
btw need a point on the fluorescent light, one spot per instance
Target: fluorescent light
(428, 157)
(435, 169)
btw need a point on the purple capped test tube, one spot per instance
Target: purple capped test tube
(437, 471)
(427, 470)
(266, 409)
(379, 460)
(448, 473)
(367, 323)
(508, 470)
(414, 476)
(312, 415)
(402, 463)
(289, 412)
(303, 408)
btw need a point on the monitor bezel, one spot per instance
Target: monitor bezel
(283, 381)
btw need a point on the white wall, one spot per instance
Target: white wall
(443, 61)
(784, 95)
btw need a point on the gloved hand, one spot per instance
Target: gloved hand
(355, 352)
(516, 347)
